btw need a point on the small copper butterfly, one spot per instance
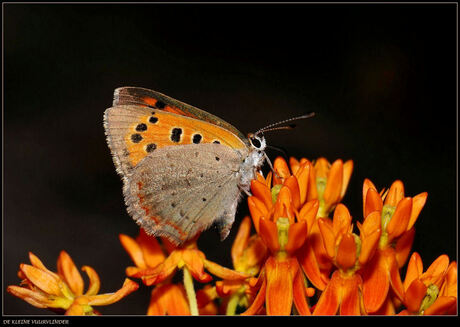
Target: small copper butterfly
(183, 168)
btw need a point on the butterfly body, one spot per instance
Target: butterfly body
(183, 169)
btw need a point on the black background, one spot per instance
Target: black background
(381, 77)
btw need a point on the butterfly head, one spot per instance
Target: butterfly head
(257, 142)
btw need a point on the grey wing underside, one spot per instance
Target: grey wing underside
(178, 191)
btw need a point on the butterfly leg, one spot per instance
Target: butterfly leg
(270, 164)
(244, 190)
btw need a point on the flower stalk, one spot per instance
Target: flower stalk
(190, 290)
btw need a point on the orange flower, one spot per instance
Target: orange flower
(398, 215)
(283, 230)
(248, 254)
(430, 292)
(330, 183)
(205, 299)
(327, 185)
(154, 267)
(193, 259)
(63, 290)
(145, 251)
(349, 253)
(168, 299)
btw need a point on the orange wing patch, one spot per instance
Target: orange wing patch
(160, 105)
(160, 129)
(158, 221)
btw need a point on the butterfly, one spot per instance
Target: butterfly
(183, 169)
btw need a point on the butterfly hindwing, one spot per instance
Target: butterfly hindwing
(179, 191)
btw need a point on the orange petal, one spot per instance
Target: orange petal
(441, 305)
(279, 292)
(222, 272)
(373, 202)
(368, 246)
(283, 205)
(195, 262)
(205, 299)
(341, 221)
(105, 299)
(281, 169)
(400, 219)
(76, 309)
(308, 213)
(68, 270)
(449, 288)
(404, 246)
(322, 167)
(312, 193)
(297, 235)
(328, 237)
(227, 287)
(294, 164)
(347, 170)
(35, 298)
(151, 249)
(269, 234)
(350, 302)
(387, 309)
(302, 175)
(395, 193)
(258, 301)
(262, 192)
(414, 269)
(414, 295)
(395, 278)
(241, 239)
(346, 252)
(41, 279)
(261, 178)
(162, 271)
(367, 184)
(328, 303)
(168, 299)
(372, 222)
(418, 202)
(133, 249)
(436, 271)
(300, 294)
(293, 185)
(257, 210)
(334, 183)
(317, 242)
(375, 283)
(94, 281)
(370, 235)
(307, 260)
(35, 261)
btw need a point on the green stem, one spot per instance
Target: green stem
(190, 290)
(232, 304)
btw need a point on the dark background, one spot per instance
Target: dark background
(381, 77)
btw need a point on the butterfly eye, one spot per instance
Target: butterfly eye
(255, 141)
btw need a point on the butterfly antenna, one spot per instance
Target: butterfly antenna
(272, 127)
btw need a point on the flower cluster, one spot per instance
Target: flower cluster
(63, 291)
(300, 252)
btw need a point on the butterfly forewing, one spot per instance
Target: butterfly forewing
(134, 132)
(145, 97)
